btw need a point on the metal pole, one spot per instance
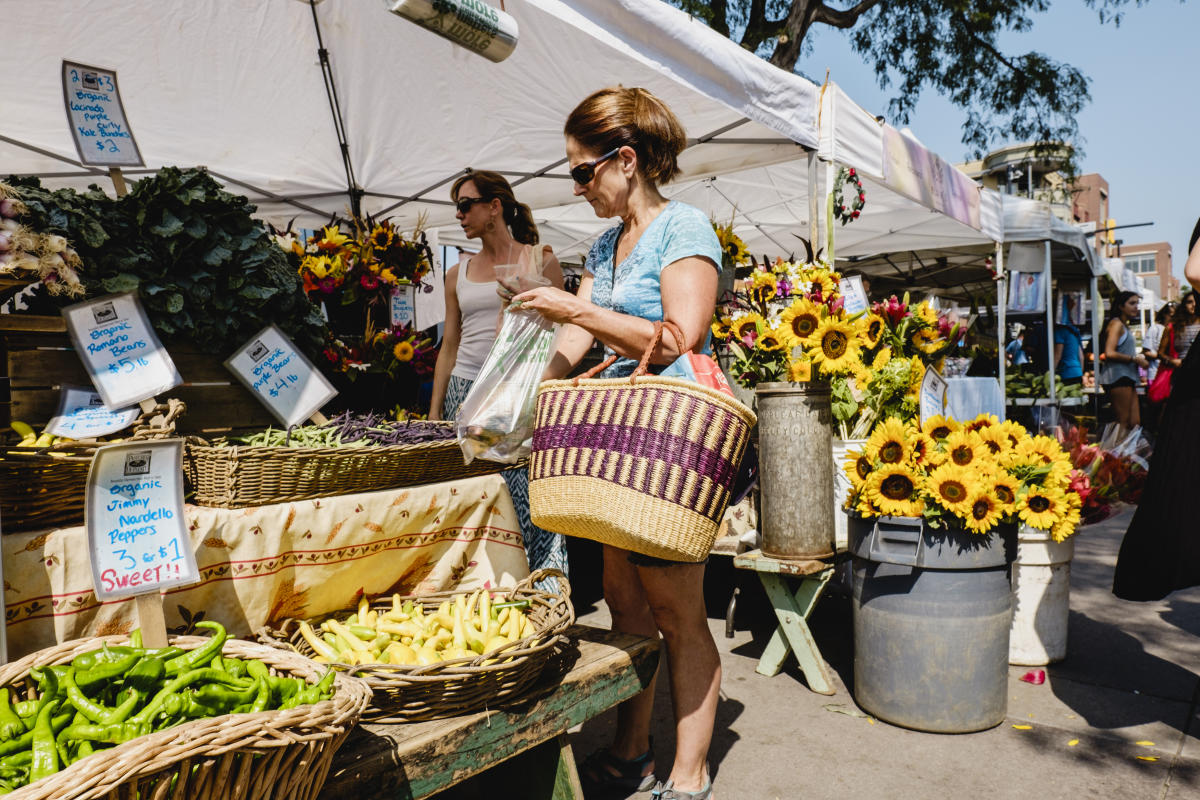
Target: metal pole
(1097, 314)
(814, 225)
(1002, 327)
(1049, 320)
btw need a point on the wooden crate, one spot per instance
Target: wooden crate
(37, 358)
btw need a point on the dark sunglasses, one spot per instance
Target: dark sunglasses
(585, 172)
(463, 204)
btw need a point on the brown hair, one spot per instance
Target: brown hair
(493, 186)
(620, 117)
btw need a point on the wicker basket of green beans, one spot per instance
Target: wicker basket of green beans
(105, 717)
(351, 453)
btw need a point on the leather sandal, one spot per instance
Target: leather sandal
(602, 771)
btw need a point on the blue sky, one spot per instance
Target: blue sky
(1141, 130)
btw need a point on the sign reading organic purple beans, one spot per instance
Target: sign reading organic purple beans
(137, 538)
(280, 376)
(123, 356)
(96, 116)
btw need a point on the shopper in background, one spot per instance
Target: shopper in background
(1014, 351)
(1187, 325)
(487, 210)
(1153, 340)
(1161, 551)
(660, 262)
(1119, 373)
(1068, 349)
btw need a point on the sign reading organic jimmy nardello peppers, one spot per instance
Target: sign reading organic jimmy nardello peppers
(123, 356)
(137, 538)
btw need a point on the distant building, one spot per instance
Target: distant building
(1152, 263)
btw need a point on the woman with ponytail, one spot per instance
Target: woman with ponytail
(487, 210)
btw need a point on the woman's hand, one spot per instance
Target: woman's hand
(553, 304)
(1141, 361)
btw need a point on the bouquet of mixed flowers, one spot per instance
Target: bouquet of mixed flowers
(394, 352)
(975, 475)
(1108, 473)
(367, 260)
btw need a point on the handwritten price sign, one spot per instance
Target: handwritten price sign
(83, 415)
(124, 358)
(97, 117)
(136, 534)
(280, 376)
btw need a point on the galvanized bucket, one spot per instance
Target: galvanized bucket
(795, 458)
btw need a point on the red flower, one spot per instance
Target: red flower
(893, 310)
(854, 215)
(852, 173)
(369, 281)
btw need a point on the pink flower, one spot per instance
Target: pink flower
(749, 338)
(328, 285)
(892, 310)
(836, 305)
(369, 281)
(783, 286)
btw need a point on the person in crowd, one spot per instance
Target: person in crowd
(1160, 553)
(660, 262)
(1186, 325)
(1014, 351)
(1153, 340)
(1068, 349)
(1119, 373)
(487, 210)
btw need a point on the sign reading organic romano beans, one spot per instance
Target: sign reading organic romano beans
(280, 376)
(137, 538)
(97, 117)
(82, 415)
(124, 358)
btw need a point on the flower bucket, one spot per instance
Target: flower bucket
(932, 611)
(795, 459)
(841, 489)
(1041, 595)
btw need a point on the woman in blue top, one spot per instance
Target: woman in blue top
(660, 262)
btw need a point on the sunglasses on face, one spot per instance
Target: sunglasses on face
(463, 204)
(585, 172)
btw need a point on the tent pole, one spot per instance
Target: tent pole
(1001, 327)
(339, 124)
(814, 227)
(1049, 321)
(1097, 313)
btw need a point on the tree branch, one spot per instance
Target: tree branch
(800, 18)
(843, 18)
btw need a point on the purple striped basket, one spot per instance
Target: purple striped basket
(645, 464)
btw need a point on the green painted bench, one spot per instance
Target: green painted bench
(525, 744)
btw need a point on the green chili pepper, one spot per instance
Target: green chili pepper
(85, 679)
(17, 760)
(113, 734)
(257, 669)
(45, 751)
(11, 725)
(97, 713)
(104, 655)
(264, 696)
(223, 699)
(145, 676)
(135, 638)
(201, 655)
(322, 690)
(284, 689)
(186, 679)
(235, 667)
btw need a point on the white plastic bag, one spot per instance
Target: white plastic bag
(495, 420)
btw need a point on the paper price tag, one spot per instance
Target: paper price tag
(854, 296)
(136, 533)
(82, 415)
(933, 394)
(97, 117)
(124, 358)
(404, 308)
(279, 375)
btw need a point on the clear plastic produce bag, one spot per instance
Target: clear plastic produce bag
(496, 418)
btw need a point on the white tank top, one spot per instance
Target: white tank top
(480, 308)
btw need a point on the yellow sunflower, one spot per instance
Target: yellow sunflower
(800, 319)
(994, 439)
(938, 427)
(951, 487)
(722, 327)
(383, 236)
(800, 371)
(857, 467)
(916, 375)
(870, 327)
(923, 449)
(983, 512)
(1066, 526)
(317, 265)
(894, 489)
(1041, 508)
(982, 421)
(764, 285)
(834, 346)
(403, 351)
(823, 280)
(928, 341)
(1015, 432)
(888, 442)
(747, 324)
(1004, 488)
(964, 448)
(926, 314)
(881, 359)
(770, 341)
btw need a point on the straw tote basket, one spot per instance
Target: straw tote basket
(645, 463)
(270, 755)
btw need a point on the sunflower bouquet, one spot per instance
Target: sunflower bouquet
(366, 260)
(974, 475)
(734, 252)
(782, 321)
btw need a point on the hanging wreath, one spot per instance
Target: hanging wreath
(847, 213)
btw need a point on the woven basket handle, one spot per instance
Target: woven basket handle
(676, 334)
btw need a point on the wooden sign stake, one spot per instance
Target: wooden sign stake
(319, 419)
(151, 620)
(118, 180)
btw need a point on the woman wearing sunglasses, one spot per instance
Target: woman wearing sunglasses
(660, 261)
(487, 210)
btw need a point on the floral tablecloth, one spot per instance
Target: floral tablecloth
(262, 564)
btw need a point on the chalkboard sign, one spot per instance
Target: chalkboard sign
(125, 360)
(280, 376)
(137, 537)
(82, 415)
(97, 117)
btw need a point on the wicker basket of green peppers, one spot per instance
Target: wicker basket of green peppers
(105, 717)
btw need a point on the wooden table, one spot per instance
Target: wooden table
(407, 762)
(792, 610)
